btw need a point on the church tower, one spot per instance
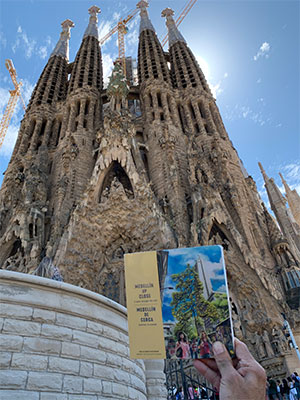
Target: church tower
(90, 180)
(81, 117)
(293, 200)
(25, 193)
(284, 216)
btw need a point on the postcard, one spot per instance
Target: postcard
(177, 302)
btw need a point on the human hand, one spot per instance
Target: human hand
(241, 379)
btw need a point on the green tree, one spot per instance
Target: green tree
(188, 302)
(221, 303)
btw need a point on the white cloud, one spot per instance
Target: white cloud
(104, 28)
(239, 112)
(43, 52)
(263, 51)
(292, 172)
(132, 36)
(29, 45)
(216, 89)
(226, 75)
(107, 63)
(116, 16)
(9, 140)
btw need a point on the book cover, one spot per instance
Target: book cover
(177, 302)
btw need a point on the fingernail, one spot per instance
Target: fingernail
(218, 348)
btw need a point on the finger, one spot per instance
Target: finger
(242, 352)
(223, 359)
(210, 363)
(212, 376)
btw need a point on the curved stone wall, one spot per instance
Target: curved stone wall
(63, 342)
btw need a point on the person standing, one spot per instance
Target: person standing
(204, 346)
(272, 390)
(278, 389)
(293, 390)
(284, 390)
(296, 381)
(182, 349)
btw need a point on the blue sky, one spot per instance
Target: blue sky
(249, 51)
(178, 260)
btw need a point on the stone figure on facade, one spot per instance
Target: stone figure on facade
(258, 343)
(268, 347)
(278, 341)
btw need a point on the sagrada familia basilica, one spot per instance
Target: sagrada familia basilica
(96, 173)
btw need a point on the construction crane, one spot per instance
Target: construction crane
(14, 95)
(180, 18)
(122, 30)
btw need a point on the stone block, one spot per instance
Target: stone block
(45, 381)
(83, 397)
(88, 339)
(13, 379)
(103, 371)
(5, 358)
(92, 385)
(42, 315)
(41, 345)
(86, 369)
(70, 321)
(137, 383)
(57, 332)
(88, 353)
(70, 349)
(134, 394)
(94, 327)
(29, 361)
(124, 338)
(73, 384)
(1, 323)
(113, 359)
(15, 311)
(107, 387)
(19, 395)
(111, 333)
(10, 342)
(63, 365)
(121, 376)
(118, 348)
(53, 396)
(24, 328)
(120, 390)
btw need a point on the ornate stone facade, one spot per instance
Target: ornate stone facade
(90, 180)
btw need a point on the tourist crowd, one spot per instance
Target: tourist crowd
(287, 389)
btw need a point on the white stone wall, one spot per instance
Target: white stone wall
(58, 341)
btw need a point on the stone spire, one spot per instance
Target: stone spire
(173, 32)
(265, 176)
(92, 29)
(293, 199)
(62, 47)
(278, 206)
(87, 67)
(145, 21)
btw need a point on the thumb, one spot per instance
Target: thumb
(223, 359)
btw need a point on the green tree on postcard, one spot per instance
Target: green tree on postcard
(221, 304)
(188, 302)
